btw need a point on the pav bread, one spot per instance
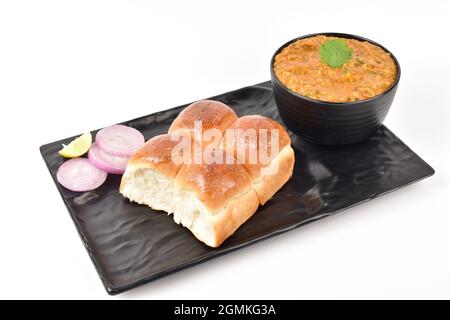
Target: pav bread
(150, 173)
(212, 198)
(213, 117)
(268, 143)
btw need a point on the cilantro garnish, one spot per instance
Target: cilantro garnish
(335, 53)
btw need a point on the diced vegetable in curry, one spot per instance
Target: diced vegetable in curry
(366, 71)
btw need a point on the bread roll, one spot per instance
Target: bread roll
(150, 173)
(264, 147)
(213, 116)
(211, 200)
(214, 199)
(211, 190)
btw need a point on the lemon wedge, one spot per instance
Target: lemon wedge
(77, 147)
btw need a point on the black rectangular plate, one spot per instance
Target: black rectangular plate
(131, 244)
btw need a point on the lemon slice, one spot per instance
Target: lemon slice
(77, 147)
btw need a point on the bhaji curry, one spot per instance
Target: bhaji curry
(368, 71)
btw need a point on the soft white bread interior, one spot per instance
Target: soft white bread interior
(149, 176)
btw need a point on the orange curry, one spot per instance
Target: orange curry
(369, 72)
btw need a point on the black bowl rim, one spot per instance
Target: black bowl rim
(340, 35)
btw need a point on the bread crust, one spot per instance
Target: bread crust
(237, 211)
(212, 114)
(157, 154)
(281, 171)
(214, 183)
(269, 174)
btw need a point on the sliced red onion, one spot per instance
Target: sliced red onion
(107, 162)
(80, 175)
(119, 140)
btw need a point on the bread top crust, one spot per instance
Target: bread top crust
(214, 183)
(212, 114)
(157, 154)
(240, 143)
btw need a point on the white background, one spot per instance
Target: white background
(72, 66)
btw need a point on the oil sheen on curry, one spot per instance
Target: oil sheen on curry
(368, 71)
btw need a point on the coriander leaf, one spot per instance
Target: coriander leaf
(335, 53)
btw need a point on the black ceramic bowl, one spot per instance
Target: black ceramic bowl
(331, 123)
